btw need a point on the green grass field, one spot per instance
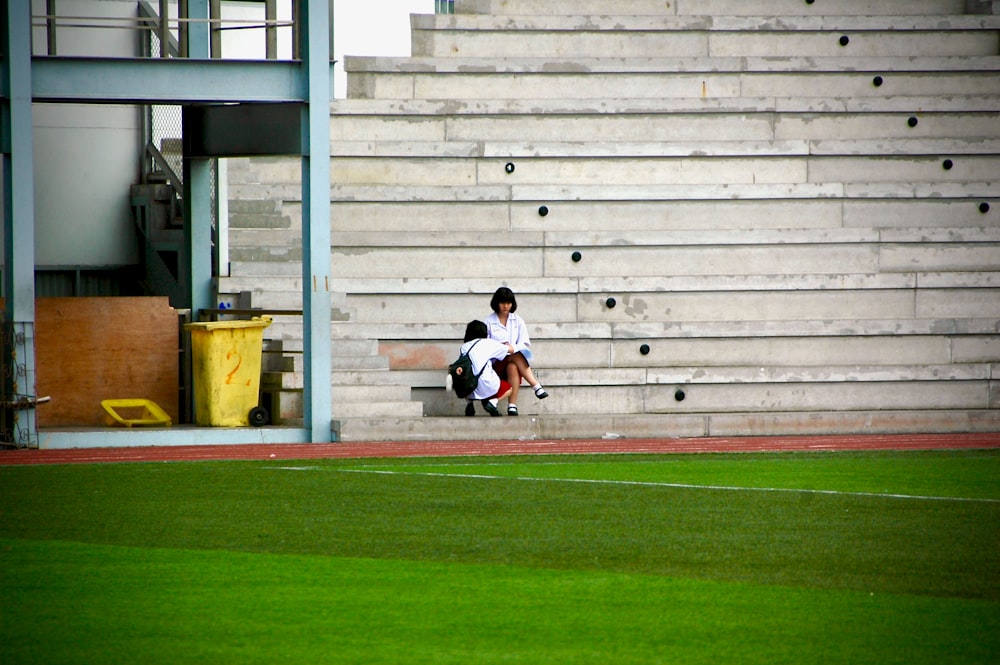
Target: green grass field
(870, 557)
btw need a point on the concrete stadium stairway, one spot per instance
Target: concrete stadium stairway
(720, 218)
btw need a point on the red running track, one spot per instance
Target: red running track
(289, 451)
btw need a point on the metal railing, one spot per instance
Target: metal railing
(172, 31)
(444, 6)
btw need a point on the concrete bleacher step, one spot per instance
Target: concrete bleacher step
(727, 7)
(701, 36)
(670, 127)
(615, 426)
(677, 172)
(256, 214)
(512, 81)
(626, 214)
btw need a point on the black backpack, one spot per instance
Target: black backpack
(463, 378)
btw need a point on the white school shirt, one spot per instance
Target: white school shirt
(482, 357)
(514, 333)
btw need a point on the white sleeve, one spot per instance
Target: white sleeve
(521, 340)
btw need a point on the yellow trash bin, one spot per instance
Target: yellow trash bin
(225, 372)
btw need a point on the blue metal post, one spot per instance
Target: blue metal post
(199, 32)
(198, 183)
(316, 249)
(18, 334)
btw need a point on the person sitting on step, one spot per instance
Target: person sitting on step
(507, 327)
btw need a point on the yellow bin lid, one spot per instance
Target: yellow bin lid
(255, 322)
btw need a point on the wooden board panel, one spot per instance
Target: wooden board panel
(89, 349)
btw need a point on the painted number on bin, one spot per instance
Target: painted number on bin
(238, 359)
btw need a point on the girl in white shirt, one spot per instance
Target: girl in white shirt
(484, 353)
(507, 327)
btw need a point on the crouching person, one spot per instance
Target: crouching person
(482, 351)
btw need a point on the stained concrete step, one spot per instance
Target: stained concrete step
(539, 288)
(377, 410)
(621, 362)
(665, 309)
(515, 90)
(590, 36)
(693, 332)
(656, 171)
(735, 215)
(725, 21)
(670, 127)
(613, 426)
(654, 149)
(390, 390)
(723, 7)
(522, 65)
(762, 398)
(663, 238)
(511, 81)
(637, 369)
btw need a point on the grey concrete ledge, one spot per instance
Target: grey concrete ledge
(949, 65)
(454, 239)
(825, 374)
(719, 7)
(542, 286)
(445, 193)
(985, 191)
(459, 239)
(983, 103)
(608, 21)
(385, 193)
(854, 422)
(887, 190)
(639, 149)
(639, 426)
(683, 330)
(289, 291)
(657, 375)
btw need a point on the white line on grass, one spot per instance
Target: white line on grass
(644, 483)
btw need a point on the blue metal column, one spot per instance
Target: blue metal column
(316, 252)
(198, 183)
(18, 332)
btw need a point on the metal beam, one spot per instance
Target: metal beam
(243, 130)
(316, 251)
(17, 336)
(198, 182)
(164, 80)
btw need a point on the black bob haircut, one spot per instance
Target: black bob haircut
(503, 294)
(475, 330)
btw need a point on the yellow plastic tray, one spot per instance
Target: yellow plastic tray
(151, 414)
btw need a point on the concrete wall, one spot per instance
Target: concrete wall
(86, 157)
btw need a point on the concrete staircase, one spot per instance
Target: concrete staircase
(720, 218)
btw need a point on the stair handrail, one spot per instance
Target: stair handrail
(150, 19)
(164, 166)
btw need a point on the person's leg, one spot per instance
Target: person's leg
(514, 379)
(518, 361)
(490, 404)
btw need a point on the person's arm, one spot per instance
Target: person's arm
(499, 350)
(520, 338)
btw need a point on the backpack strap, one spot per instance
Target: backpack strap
(483, 368)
